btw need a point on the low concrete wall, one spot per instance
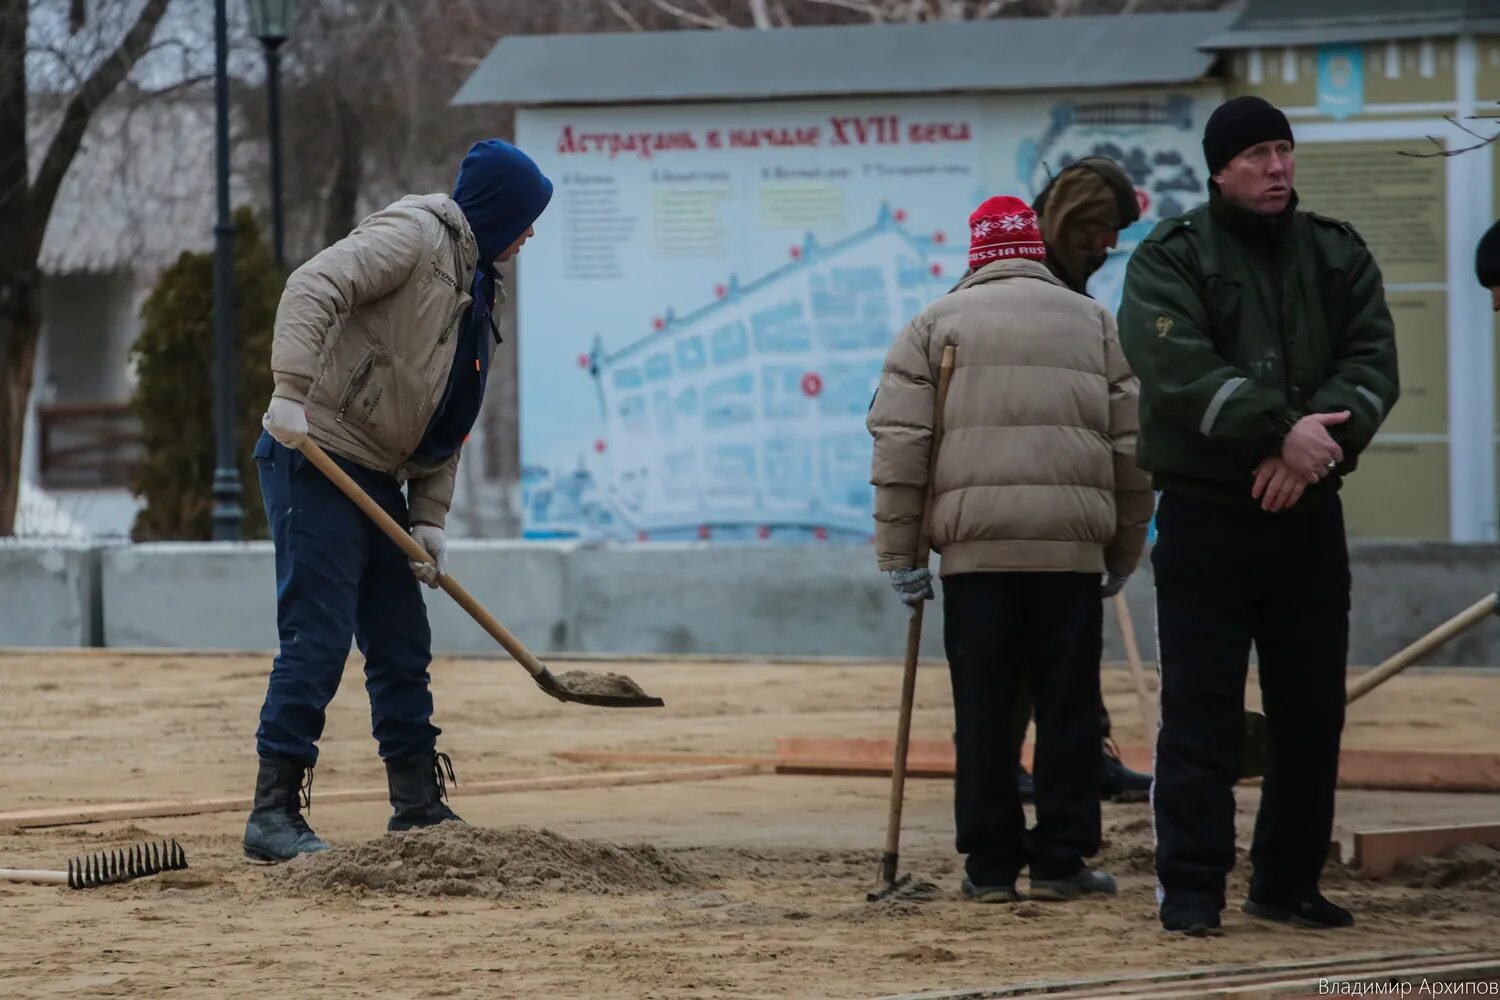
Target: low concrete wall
(209, 596)
(49, 594)
(199, 595)
(653, 598)
(689, 598)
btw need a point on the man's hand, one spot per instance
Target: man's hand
(913, 585)
(1112, 585)
(286, 421)
(435, 541)
(1278, 486)
(1309, 449)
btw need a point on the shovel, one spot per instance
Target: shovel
(603, 690)
(1257, 737)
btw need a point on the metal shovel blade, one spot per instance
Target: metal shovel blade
(601, 690)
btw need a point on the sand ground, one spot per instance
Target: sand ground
(782, 862)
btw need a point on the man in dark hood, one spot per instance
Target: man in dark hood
(381, 352)
(1081, 212)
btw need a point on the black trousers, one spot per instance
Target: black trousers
(1227, 577)
(1006, 633)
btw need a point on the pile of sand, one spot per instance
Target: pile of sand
(457, 860)
(588, 682)
(1468, 866)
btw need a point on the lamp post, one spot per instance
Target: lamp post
(271, 22)
(226, 511)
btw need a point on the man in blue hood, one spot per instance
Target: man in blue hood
(382, 348)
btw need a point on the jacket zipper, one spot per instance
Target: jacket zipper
(361, 372)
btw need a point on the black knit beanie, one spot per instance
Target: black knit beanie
(1237, 125)
(1487, 258)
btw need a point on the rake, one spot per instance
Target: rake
(107, 867)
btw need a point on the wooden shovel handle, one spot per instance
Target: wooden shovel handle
(318, 457)
(1455, 626)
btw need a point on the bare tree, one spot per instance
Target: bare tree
(788, 13)
(76, 55)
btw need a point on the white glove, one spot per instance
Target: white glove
(1112, 585)
(913, 585)
(286, 421)
(435, 541)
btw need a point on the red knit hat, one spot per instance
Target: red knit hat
(1004, 228)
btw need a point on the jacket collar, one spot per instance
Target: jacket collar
(1251, 226)
(447, 210)
(1000, 270)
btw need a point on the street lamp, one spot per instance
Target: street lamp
(271, 22)
(226, 512)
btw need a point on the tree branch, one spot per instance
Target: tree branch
(760, 14)
(60, 57)
(870, 10)
(624, 15)
(86, 100)
(186, 83)
(688, 16)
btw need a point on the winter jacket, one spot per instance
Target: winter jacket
(365, 336)
(1240, 324)
(1036, 469)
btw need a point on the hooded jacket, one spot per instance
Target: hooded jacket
(1036, 470)
(364, 340)
(1085, 199)
(368, 331)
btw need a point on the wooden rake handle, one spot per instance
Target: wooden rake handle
(33, 876)
(326, 465)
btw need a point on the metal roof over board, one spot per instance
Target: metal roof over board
(1296, 22)
(1006, 54)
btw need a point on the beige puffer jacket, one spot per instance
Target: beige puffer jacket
(365, 340)
(1036, 470)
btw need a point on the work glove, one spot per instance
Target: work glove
(435, 541)
(1112, 585)
(286, 421)
(912, 585)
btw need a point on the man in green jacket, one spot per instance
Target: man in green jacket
(1267, 361)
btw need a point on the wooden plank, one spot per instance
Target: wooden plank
(661, 757)
(925, 758)
(70, 815)
(1378, 852)
(1420, 770)
(1391, 770)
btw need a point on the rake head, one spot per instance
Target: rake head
(112, 867)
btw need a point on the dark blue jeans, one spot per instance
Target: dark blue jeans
(339, 577)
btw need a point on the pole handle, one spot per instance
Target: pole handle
(890, 860)
(1455, 626)
(326, 465)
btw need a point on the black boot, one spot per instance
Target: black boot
(1120, 783)
(418, 789)
(276, 831)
